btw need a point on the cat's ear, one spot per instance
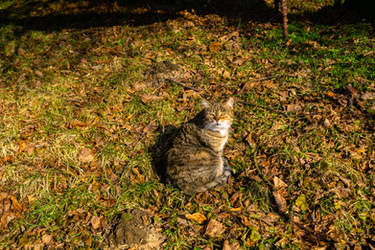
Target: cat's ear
(205, 103)
(230, 102)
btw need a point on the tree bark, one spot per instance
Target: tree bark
(284, 11)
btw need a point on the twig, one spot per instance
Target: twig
(264, 78)
(184, 85)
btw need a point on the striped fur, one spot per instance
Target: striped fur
(195, 162)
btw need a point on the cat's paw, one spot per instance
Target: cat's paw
(228, 171)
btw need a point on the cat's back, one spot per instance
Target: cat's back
(187, 135)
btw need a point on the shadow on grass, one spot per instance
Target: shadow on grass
(159, 149)
(137, 13)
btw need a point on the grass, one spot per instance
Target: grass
(100, 89)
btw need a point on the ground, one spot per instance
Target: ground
(90, 92)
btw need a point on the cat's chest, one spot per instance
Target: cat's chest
(217, 139)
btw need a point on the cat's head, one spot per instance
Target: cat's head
(218, 116)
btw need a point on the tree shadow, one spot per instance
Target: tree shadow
(138, 13)
(341, 12)
(135, 13)
(159, 149)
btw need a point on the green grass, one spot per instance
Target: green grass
(99, 88)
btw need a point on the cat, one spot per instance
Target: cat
(195, 161)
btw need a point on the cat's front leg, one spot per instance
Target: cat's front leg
(227, 170)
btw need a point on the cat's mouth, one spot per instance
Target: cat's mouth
(217, 126)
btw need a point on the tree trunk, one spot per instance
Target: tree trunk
(284, 11)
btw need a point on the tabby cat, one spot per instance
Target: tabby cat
(195, 161)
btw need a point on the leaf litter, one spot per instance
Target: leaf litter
(90, 102)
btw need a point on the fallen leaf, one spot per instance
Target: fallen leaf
(214, 46)
(16, 205)
(95, 222)
(276, 126)
(234, 246)
(283, 95)
(245, 221)
(226, 74)
(39, 73)
(226, 245)
(280, 201)
(279, 183)
(150, 98)
(197, 217)
(22, 144)
(6, 218)
(77, 124)
(86, 155)
(368, 96)
(236, 198)
(95, 164)
(271, 218)
(21, 51)
(182, 222)
(250, 140)
(326, 123)
(46, 239)
(293, 108)
(214, 228)
(288, 42)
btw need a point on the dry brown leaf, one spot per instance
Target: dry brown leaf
(46, 239)
(293, 108)
(276, 126)
(10, 209)
(279, 183)
(250, 140)
(214, 228)
(197, 217)
(226, 245)
(182, 222)
(22, 144)
(138, 86)
(6, 218)
(368, 96)
(226, 74)
(235, 209)
(271, 218)
(21, 51)
(16, 205)
(77, 124)
(95, 164)
(236, 198)
(326, 123)
(95, 222)
(280, 201)
(39, 73)
(283, 95)
(245, 221)
(234, 246)
(150, 98)
(214, 46)
(86, 155)
(6, 159)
